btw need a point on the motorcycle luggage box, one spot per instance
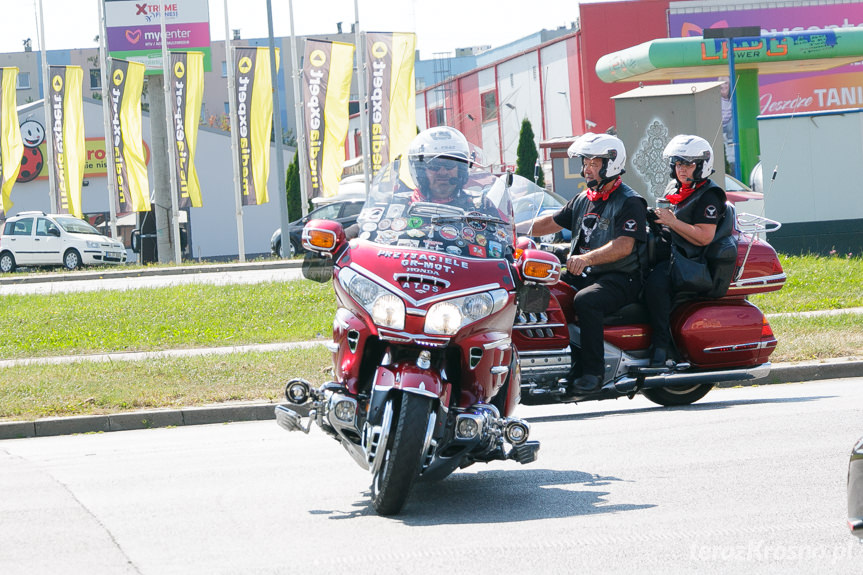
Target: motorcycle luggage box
(722, 333)
(758, 269)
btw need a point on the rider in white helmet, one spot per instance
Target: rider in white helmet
(690, 224)
(439, 160)
(609, 229)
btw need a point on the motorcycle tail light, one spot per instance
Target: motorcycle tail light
(766, 330)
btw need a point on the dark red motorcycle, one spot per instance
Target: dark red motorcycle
(720, 338)
(425, 374)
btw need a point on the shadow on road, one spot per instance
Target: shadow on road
(705, 406)
(498, 496)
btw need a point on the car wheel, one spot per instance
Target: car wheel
(295, 249)
(7, 263)
(72, 260)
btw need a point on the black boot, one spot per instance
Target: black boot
(587, 384)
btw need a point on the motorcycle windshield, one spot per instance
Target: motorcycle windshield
(477, 221)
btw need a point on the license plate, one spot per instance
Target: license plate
(113, 254)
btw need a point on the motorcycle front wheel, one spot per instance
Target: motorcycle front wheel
(392, 482)
(678, 395)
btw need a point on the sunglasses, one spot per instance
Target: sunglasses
(441, 164)
(682, 164)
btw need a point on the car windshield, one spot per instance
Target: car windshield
(480, 226)
(75, 226)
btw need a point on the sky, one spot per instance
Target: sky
(441, 26)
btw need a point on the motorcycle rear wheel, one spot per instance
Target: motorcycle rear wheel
(392, 483)
(678, 395)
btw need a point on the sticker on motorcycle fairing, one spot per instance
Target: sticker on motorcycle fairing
(477, 251)
(365, 235)
(453, 250)
(468, 233)
(372, 214)
(384, 224)
(478, 225)
(448, 233)
(495, 250)
(433, 245)
(387, 236)
(415, 233)
(395, 210)
(370, 226)
(399, 224)
(480, 239)
(405, 243)
(460, 243)
(415, 222)
(500, 235)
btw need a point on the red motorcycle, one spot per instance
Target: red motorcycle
(425, 373)
(721, 338)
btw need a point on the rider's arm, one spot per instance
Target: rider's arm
(616, 249)
(697, 234)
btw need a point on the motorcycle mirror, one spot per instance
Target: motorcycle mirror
(317, 268)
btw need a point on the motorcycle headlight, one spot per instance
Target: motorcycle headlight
(447, 317)
(386, 309)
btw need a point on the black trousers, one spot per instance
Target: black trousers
(658, 295)
(597, 297)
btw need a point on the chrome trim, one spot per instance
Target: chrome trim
(499, 370)
(499, 344)
(755, 345)
(683, 378)
(332, 346)
(422, 392)
(761, 280)
(421, 278)
(544, 353)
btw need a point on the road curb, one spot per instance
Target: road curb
(144, 272)
(149, 419)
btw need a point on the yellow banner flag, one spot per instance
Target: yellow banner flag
(392, 95)
(130, 166)
(254, 97)
(11, 144)
(67, 127)
(326, 93)
(187, 92)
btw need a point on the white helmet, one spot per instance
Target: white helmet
(690, 149)
(609, 148)
(441, 142)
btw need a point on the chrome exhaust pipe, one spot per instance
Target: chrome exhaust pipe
(679, 379)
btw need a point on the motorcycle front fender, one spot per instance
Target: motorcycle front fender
(409, 378)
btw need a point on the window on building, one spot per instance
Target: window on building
(227, 108)
(224, 69)
(95, 79)
(23, 80)
(437, 117)
(489, 106)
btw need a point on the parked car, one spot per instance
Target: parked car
(855, 490)
(343, 211)
(40, 239)
(744, 198)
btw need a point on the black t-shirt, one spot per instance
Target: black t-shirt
(630, 220)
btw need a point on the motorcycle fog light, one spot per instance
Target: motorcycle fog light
(466, 427)
(516, 432)
(297, 392)
(344, 411)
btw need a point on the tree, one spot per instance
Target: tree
(292, 189)
(527, 156)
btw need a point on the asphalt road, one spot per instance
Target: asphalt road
(750, 480)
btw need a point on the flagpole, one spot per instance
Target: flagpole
(361, 85)
(172, 142)
(49, 133)
(301, 131)
(277, 113)
(235, 154)
(111, 176)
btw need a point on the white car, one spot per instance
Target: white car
(39, 239)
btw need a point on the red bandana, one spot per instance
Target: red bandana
(684, 192)
(594, 195)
